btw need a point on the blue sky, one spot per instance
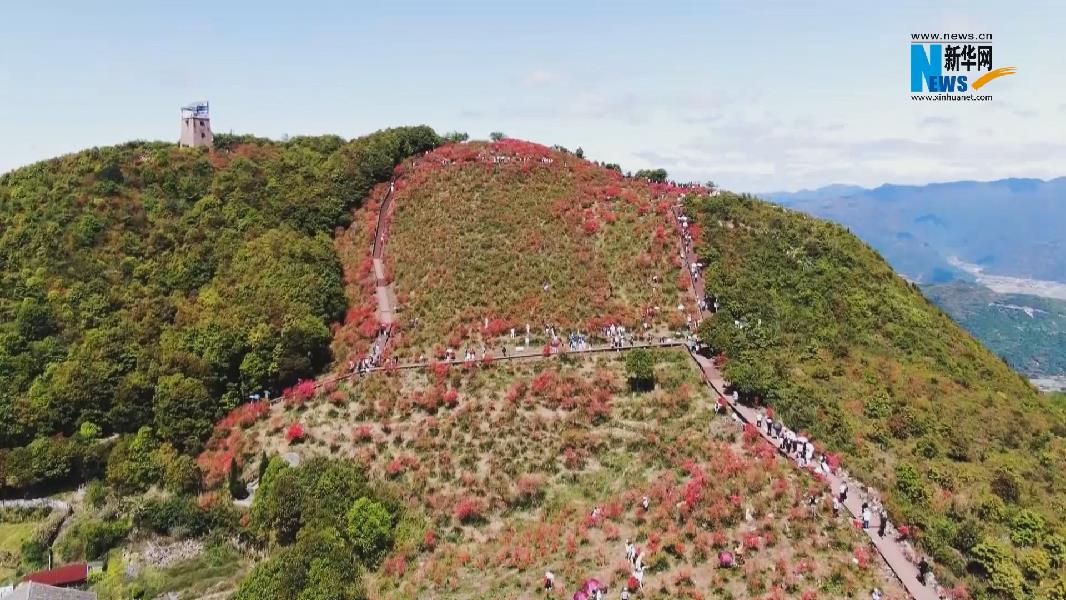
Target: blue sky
(755, 96)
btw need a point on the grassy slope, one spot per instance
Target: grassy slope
(843, 347)
(473, 239)
(11, 537)
(536, 445)
(1033, 343)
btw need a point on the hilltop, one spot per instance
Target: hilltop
(483, 238)
(145, 285)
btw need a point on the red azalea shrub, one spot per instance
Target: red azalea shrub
(244, 415)
(300, 393)
(429, 540)
(451, 398)
(295, 433)
(395, 565)
(862, 556)
(395, 467)
(959, 592)
(468, 510)
(573, 459)
(363, 433)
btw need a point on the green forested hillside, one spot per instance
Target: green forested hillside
(145, 284)
(817, 325)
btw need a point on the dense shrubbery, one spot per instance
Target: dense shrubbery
(145, 284)
(816, 324)
(90, 538)
(182, 516)
(323, 538)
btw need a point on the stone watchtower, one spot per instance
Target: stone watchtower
(196, 125)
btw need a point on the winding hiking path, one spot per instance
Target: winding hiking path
(386, 297)
(896, 554)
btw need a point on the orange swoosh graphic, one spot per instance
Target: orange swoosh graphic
(989, 76)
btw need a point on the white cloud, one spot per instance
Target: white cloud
(539, 76)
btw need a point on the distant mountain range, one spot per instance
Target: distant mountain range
(991, 254)
(965, 230)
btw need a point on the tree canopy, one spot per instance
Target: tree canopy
(144, 284)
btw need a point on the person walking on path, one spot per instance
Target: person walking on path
(923, 571)
(866, 517)
(844, 491)
(883, 524)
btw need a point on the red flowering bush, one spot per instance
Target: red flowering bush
(300, 393)
(429, 540)
(468, 510)
(395, 565)
(451, 398)
(244, 415)
(295, 433)
(363, 433)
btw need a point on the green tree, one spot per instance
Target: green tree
(994, 560)
(640, 369)
(132, 466)
(184, 411)
(656, 175)
(496, 136)
(369, 529)
(180, 473)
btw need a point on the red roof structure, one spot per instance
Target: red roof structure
(72, 574)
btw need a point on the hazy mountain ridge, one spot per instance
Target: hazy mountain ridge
(1009, 226)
